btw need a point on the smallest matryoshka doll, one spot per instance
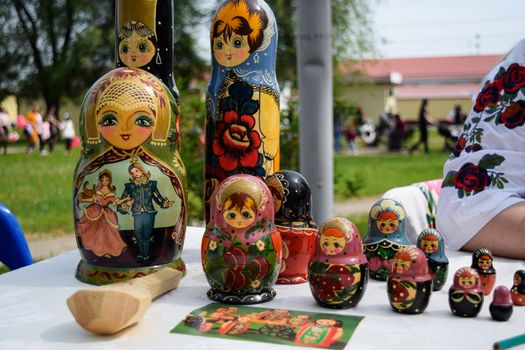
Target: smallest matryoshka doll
(241, 249)
(409, 284)
(465, 296)
(292, 200)
(386, 236)
(501, 307)
(431, 243)
(517, 292)
(338, 272)
(482, 261)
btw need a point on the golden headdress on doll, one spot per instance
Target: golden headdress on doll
(238, 184)
(128, 89)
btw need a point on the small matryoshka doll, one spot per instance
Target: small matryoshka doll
(482, 261)
(431, 243)
(242, 99)
(292, 199)
(129, 184)
(465, 296)
(517, 292)
(501, 307)
(386, 236)
(409, 284)
(241, 248)
(338, 272)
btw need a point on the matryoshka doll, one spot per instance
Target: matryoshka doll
(292, 199)
(517, 291)
(482, 261)
(431, 243)
(242, 99)
(338, 272)
(241, 248)
(409, 284)
(129, 184)
(465, 296)
(386, 236)
(501, 307)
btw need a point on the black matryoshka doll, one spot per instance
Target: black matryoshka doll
(431, 243)
(292, 199)
(501, 307)
(129, 184)
(242, 99)
(338, 272)
(482, 261)
(409, 284)
(465, 296)
(517, 291)
(386, 236)
(241, 248)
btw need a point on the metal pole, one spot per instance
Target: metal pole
(314, 61)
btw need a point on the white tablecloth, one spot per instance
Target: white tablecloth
(34, 315)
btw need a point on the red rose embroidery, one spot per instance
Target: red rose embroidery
(235, 142)
(460, 145)
(514, 78)
(471, 178)
(489, 95)
(514, 115)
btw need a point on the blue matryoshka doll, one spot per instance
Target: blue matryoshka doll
(386, 236)
(242, 99)
(431, 243)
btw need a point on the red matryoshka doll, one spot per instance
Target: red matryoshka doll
(242, 99)
(409, 284)
(129, 184)
(292, 199)
(241, 248)
(386, 236)
(431, 243)
(501, 307)
(482, 261)
(338, 272)
(517, 292)
(465, 296)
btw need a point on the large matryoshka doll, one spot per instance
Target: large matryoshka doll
(241, 248)
(242, 100)
(465, 296)
(517, 291)
(292, 199)
(482, 261)
(386, 236)
(338, 272)
(409, 285)
(129, 184)
(431, 243)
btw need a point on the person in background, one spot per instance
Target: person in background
(68, 130)
(34, 121)
(423, 123)
(54, 126)
(5, 128)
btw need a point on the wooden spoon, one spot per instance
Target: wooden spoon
(111, 308)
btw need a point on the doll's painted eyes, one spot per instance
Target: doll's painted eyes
(144, 121)
(219, 45)
(232, 216)
(237, 43)
(143, 48)
(246, 214)
(337, 245)
(125, 49)
(108, 120)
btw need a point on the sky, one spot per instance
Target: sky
(412, 28)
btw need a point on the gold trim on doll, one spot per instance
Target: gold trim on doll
(128, 90)
(234, 185)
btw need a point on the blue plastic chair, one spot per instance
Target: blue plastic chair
(14, 252)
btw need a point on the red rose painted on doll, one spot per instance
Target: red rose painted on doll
(514, 78)
(471, 178)
(514, 115)
(235, 258)
(236, 142)
(235, 279)
(489, 95)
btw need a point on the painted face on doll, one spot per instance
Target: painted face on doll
(326, 322)
(136, 172)
(429, 244)
(239, 218)
(517, 279)
(136, 51)
(387, 223)
(332, 241)
(125, 129)
(231, 52)
(467, 282)
(401, 265)
(105, 180)
(484, 262)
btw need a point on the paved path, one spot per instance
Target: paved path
(45, 247)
